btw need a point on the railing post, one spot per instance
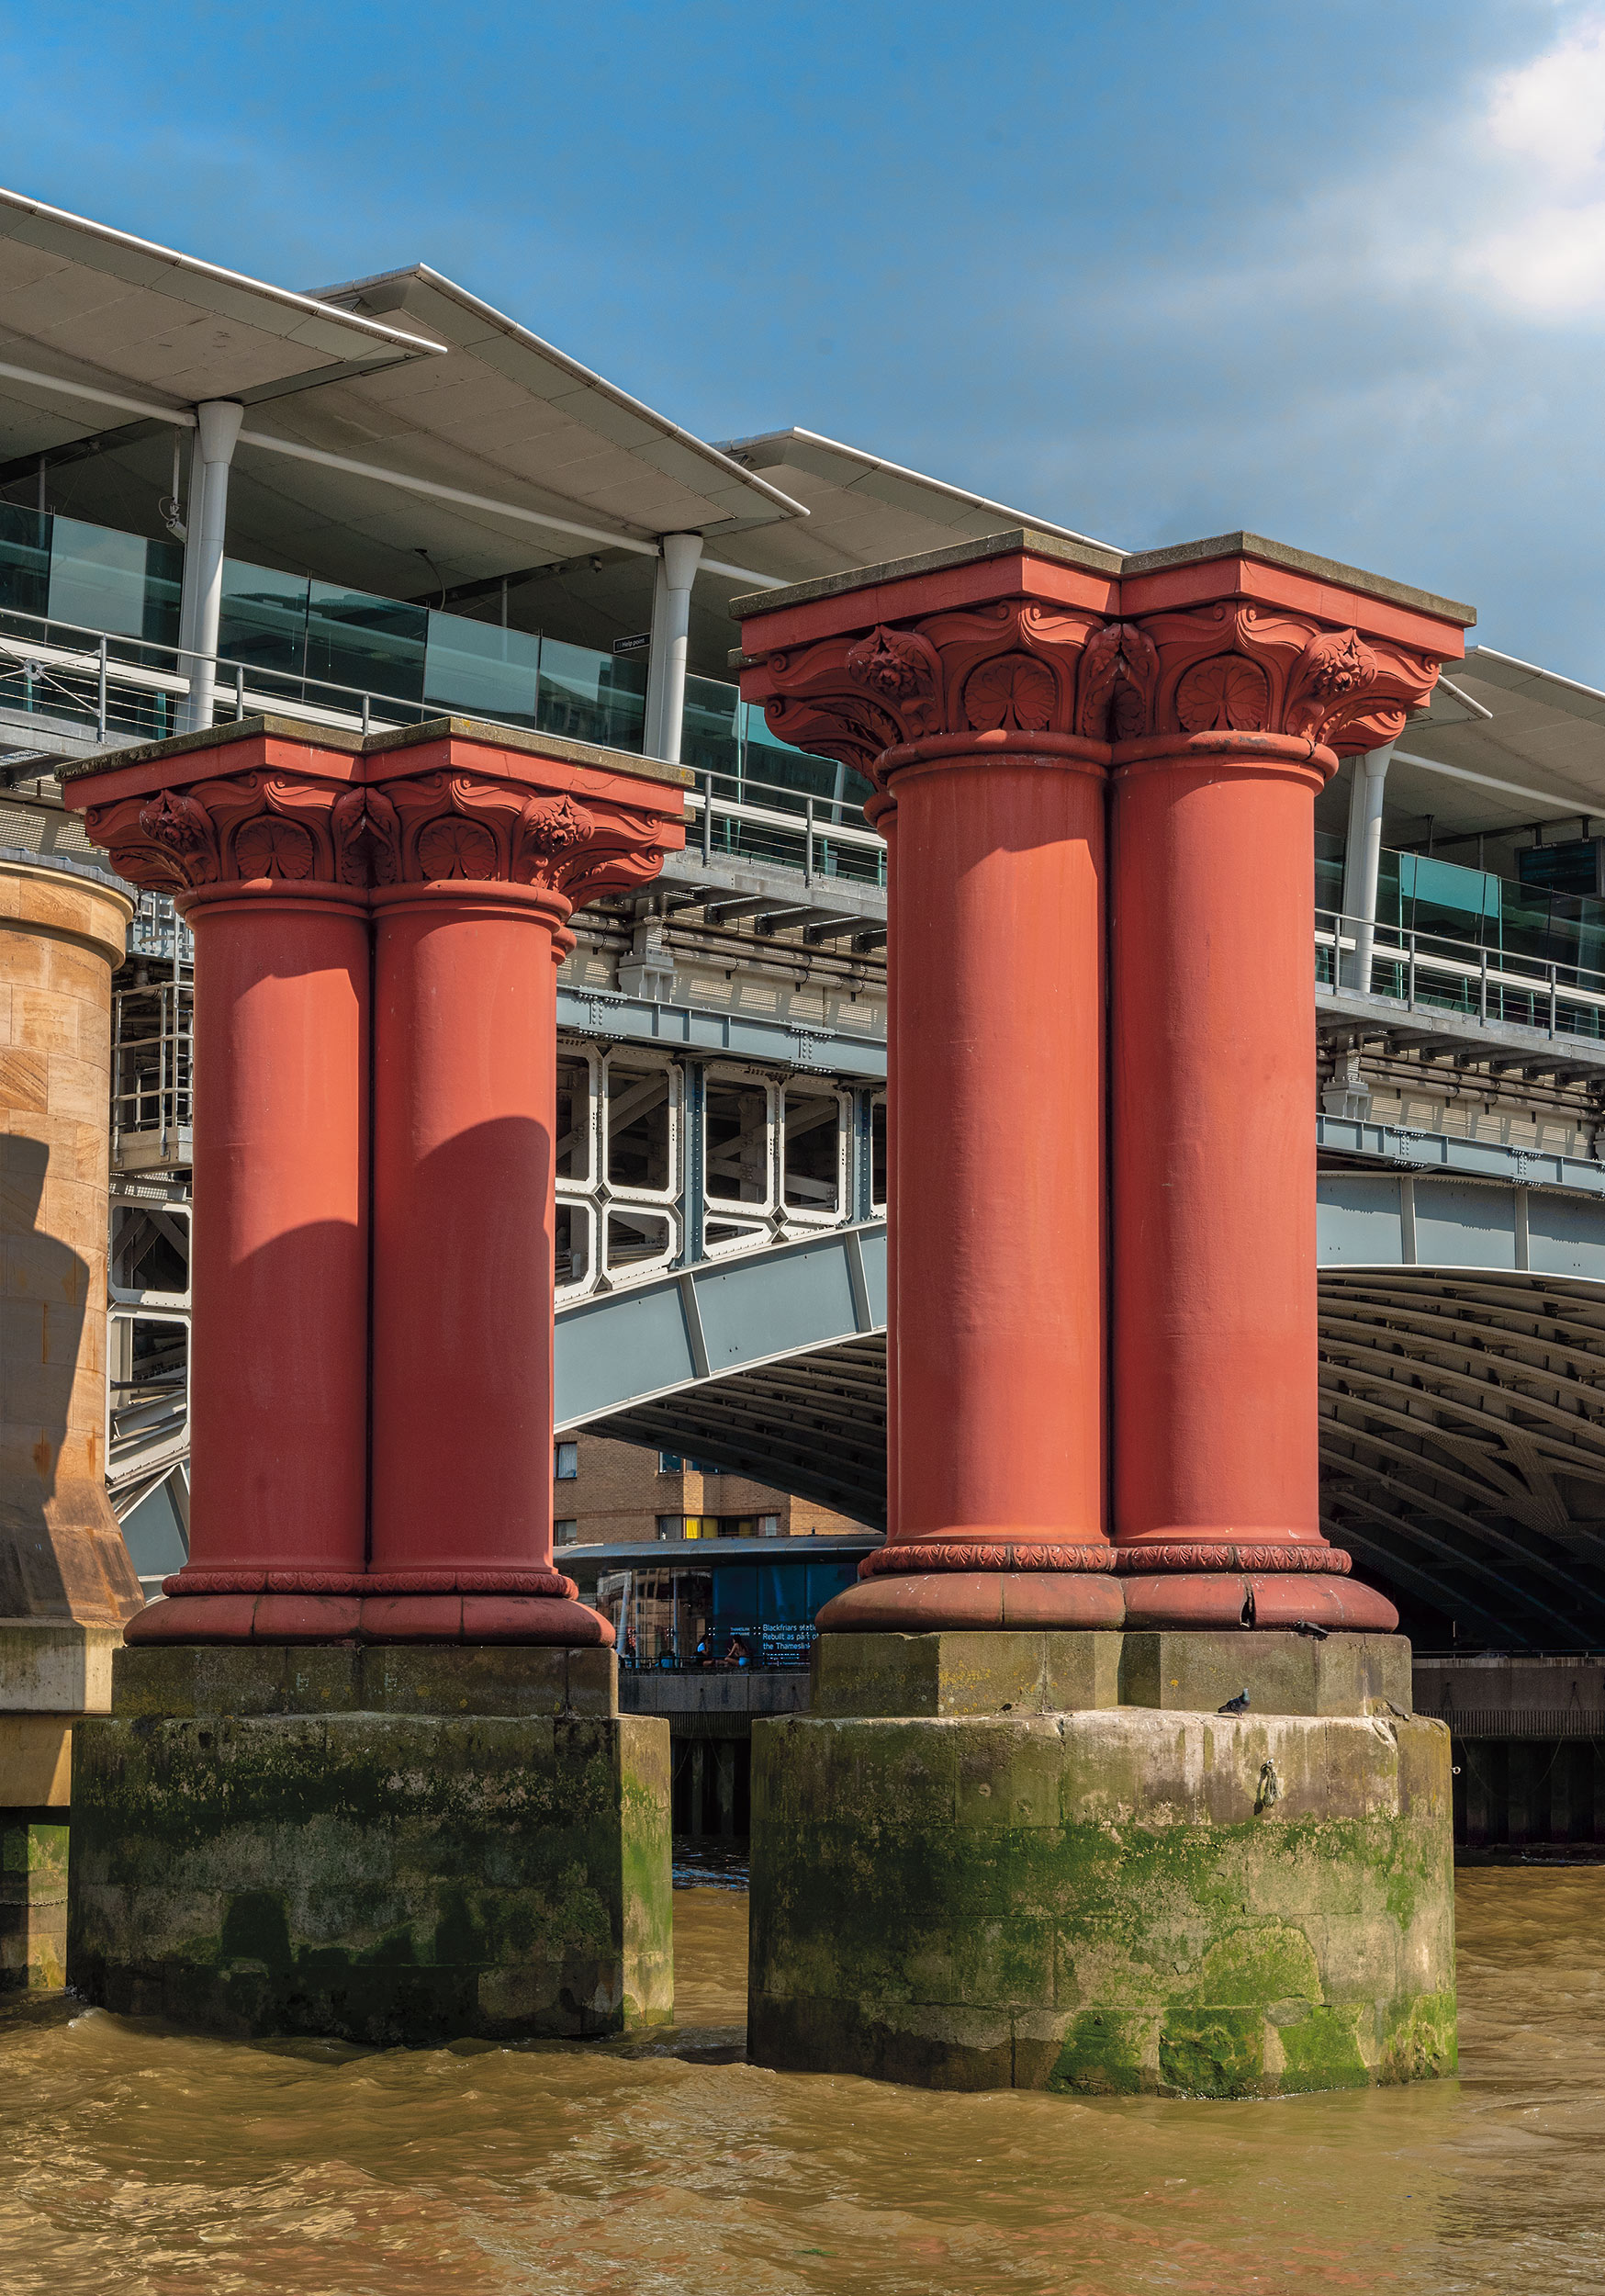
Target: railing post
(707, 817)
(367, 715)
(1410, 998)
(808, 840)
(100, 693)
(1483, 988)
(1553, 982)
(239, 690)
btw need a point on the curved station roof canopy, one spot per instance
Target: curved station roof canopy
(404, 436)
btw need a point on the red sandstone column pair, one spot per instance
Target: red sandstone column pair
(1001, 704)
(371, 1414)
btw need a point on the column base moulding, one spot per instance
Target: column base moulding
(1314, 1600)
(916, 1601)
(446, 1616)
(916, 1555)
(907, 1600)
(1227, 1554)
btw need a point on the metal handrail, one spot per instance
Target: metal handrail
(1486, 984)
(112, 667)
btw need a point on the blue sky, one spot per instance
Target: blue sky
(1334, 271)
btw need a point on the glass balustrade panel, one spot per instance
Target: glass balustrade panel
(586, 696)
(365, 643)
(263, 624)
(121, 583)
(479, 669)
(24, 560)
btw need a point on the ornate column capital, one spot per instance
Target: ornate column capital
(459, 825)
(1003, 676)
(1022, 643)
(1019, 675)
(430, 808)
(1211, 674)
(268, 824)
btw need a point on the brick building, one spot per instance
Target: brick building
(604, 1492)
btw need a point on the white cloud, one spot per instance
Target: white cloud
(1544, 255)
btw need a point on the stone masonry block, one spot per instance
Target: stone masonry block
(1001, 1671)
(383, 1678)
(357, 1871)
(1119, 1889)
(1198, 1670)
(33, 1903)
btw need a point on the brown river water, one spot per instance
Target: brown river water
(136, 2160)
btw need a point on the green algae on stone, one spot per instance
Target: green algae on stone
(381, 1874)
(1111, 1887)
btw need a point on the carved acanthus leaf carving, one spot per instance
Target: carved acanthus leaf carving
(585, 852)
(1006, 668)
(1119, 670)
(1010, 693)
(181, 826)
(367, 837)
(898, 667)
(1224, 694)
(1241, 667)
(550, 826)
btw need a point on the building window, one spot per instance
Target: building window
(668, 1463)
(672, 1526)
(566, 1532)
(769, 1527)
(566, 1467)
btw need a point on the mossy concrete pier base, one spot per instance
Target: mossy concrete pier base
(1113, 1898)
(383, 1844)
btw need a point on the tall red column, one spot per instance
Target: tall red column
(279, 1324)
(1240, 701)
(989, 690)
(998, 1340)
(465, 1101)
(488, 853)
(1213, 1156)
(386, 1477)
(279, 1245)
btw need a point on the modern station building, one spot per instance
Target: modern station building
(383, 501)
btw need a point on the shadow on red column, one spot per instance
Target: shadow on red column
(1102, 1219)
(377, 928)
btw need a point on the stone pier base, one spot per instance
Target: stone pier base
(387, 1844)
(987, 1892)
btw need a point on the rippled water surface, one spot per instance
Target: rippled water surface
(134, 2158)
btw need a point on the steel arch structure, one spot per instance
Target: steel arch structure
(1462, 1399)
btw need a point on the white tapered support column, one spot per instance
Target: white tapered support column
(201, 603)
(1362, 864)
(671, 623)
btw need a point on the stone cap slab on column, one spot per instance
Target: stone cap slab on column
(953, 1671)
(265, 799)
(174, 1681)
(956, 1672)
(877, 588)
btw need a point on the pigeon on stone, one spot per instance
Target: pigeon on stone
(1304, 1626)
(1238, 1705)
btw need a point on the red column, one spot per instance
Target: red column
(280, 1248)
(486, 855)
(997, 1337)
(465, 1114)
(1213, 1156)
(985, 689)
(996, 1329)
(421, 1511)
(1240, 705)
